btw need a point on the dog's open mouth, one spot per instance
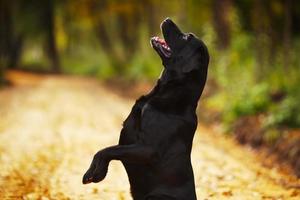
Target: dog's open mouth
(161, 46)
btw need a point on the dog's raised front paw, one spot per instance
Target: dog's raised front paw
(97, 170)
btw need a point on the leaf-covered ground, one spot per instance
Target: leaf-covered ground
(51, 126)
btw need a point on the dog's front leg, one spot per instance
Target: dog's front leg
(135, 153)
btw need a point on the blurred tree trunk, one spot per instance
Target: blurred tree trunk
(129, 30)
(124, 23)
(102, 32)
(10, 41)
(5, 33)
(101, 29)
(103, 36)
(221, 22)
(106, 43)
(15, 52)
(49, 23)
(258, 20)
(287, 33)
(151, 15)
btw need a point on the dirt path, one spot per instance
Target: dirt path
(50, 127)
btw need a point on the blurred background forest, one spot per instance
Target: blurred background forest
(254, 74)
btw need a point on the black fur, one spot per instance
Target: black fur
(156, 140)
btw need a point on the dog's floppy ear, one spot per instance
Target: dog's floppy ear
(198, 61)
(191, 65)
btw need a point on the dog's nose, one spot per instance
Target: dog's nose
(167, 20)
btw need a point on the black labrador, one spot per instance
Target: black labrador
(156, 140)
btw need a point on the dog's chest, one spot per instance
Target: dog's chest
(132, 125)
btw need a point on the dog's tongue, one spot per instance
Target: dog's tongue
(161, 41)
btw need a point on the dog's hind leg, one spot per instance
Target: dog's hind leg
(160, 197)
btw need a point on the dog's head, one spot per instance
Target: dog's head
(180, 52)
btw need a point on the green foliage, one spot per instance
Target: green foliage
(144, 67)
(286, 113)
(253, 101)
(88, 61)
(241, 92)
(234, 71)
(34, 59)
(249, 101)
(145, 64)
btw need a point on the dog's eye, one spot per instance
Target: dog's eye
(186, 37)
(191, 35)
